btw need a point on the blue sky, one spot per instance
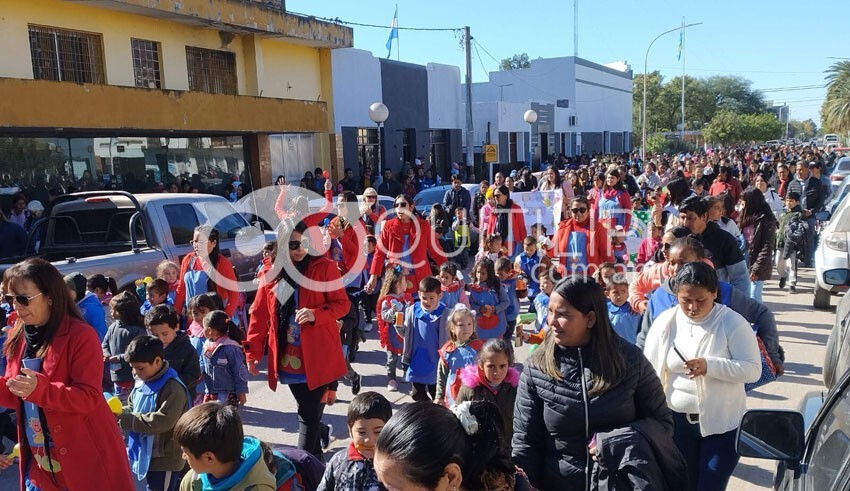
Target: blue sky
(776, 44)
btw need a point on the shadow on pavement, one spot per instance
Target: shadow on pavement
(801, 369)
(754, 475)
(815, 337)
(766, 397)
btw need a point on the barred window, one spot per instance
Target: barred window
(211, 70)
(66, 56)
(146, 64)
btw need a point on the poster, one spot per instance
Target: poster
(543, 207)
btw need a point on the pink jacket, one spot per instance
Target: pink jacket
(648, 280)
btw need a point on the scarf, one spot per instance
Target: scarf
(502, 216)
(251, 454)
(34, 338)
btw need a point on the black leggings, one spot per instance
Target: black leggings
(310, 410)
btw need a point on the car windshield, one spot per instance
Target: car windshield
(843, 164)
(429, 197)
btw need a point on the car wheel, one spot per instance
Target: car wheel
(822, 296)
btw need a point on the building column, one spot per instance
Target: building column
(259, 153)
(332, 145)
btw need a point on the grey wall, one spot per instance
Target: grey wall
(592, 142)
(405, 93)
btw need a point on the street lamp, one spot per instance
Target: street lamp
(379, 113)
(645, 60)
(530, 117)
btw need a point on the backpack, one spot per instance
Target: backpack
(796, 230)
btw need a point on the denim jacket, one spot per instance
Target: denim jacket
(223, 364)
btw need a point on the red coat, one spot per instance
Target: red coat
(82, 427)
(321, 348)
(223, 268)
(517, 224)
(391, 242)
(598, 244)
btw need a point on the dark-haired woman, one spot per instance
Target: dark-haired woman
(294, 316)
(613, 205)
(507, 220)
(582, 380)
(581, 241)
(704, 353)
(758, 225)
(204, 270)
(67, 433)
(426, 447)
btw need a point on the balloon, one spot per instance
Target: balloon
(16, 452)
(114, 403)
(326, 174)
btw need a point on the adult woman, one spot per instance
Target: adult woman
(758, 224)
(572, 179)
(613, 206)
(665, 212)
(372, 214)
(507, 220)
(294, 204)
(595, 191)
(294, 316)
(704, 353)
(67, 433)
(408, 240)
(581, 242)
(424, 446)
(206, 269)
(18, 213)
(595, 379)
(526, 181)
(774, 201)
(551, 179)
(409, 185)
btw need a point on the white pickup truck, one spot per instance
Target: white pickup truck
(125, 236)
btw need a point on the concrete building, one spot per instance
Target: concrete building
(582, 107)
(424, 103)
(130, 91)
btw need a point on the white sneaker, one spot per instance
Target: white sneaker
(367, 327)
(392, 386)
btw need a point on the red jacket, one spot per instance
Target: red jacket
(598, 243)
(223, 268)
(517, 224)
(82, 427)
(312, 220)
(390, 245)
(320, 343)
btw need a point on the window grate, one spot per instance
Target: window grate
(212, 71)
(66, 56)
(146, 64)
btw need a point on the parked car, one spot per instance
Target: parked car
(831, 138)
(427, 197)
(837, 359)
(125, 236)
(837, 196)
(840, 170)
(832, 261)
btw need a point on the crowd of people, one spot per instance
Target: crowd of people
(641, 355)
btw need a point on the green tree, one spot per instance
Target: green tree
(835, 111)
(515, 62)
(29, 157)
(654, 86)
(802, 129)
(760, 127)
(725, 128)
(736, 94)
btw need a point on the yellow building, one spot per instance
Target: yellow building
(130, 92)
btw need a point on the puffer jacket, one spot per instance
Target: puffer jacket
(554, 420)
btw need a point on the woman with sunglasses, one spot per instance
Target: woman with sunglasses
(581, 242)
(407, 240)
(53, 374)
(507, 220)
(372, 214)
(204, 270)
(294, 316)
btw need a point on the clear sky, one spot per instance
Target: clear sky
(776, 44)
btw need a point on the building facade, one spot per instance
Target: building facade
(123, 93)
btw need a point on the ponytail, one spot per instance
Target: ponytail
(218, 321)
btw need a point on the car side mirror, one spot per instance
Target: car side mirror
(771, 434)
(837, 277)
(822, 216)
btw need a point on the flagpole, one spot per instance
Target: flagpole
(683, 79)
(397, 39)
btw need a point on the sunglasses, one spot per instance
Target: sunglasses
(578, 211)
(21, 300)
(370, 197)
(400, 204)
(295, 244)
(666, 246)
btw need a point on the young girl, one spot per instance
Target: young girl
(223, 362)
(459, 352)
(494, 249)
(105, 288)
(170, 272)
(127, 326)
(199, 307)
(392, 301)
(508, 278)
(492, 379)
(487, 297)
(453, 291)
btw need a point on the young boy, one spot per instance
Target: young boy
(162, 322)
(156, 403)
(541, 301)
(424, 332)
(618, 245)
(790, 240)
(351, 469)
(528, 264)
(462, 229)
(369, 301)
(221, 457)
(624, 320)
(507, 276)
(157, 294)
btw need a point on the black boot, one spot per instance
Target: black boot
(782, 282)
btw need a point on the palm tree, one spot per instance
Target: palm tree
(835, 111)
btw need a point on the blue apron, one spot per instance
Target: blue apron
(196, 281)
(610, 209)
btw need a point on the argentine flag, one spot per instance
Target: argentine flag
(393, 33)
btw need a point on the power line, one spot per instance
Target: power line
(480, 60)
(799, 87)
(526, 82)
(337, 20)
(734, 70)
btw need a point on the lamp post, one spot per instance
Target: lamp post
(530, 117)
(645, 61)
(379, 113)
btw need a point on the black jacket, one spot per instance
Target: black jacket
(814, 195)
(456, 198)
(721, 247)
(550, 436)
(391, 188)
(183, 358)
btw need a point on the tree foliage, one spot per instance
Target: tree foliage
(835, 111)
(728, 127)
(30, 157)
(802, 129)
(515, 62)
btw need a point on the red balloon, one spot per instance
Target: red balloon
(326, 174)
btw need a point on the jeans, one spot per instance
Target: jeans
(310, 410)
(421, 392)
(393, 363)
(756, 288)
(163, 480)
(810, 241)
(710, 459)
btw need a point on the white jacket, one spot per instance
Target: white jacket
(732, 354)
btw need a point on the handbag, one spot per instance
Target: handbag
(768, 370)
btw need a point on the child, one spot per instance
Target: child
(221, 457)
(269, 256)
(199, 307)
(618, 245)
(649, 245)
(162, 322)
(104, 287)
(369, 301)
(507, 277)
(462, 229)
(453, 291)
(156, 403)
(294, 469)
(424, 331)
(223, 363)
(489, 300)
(528, 265)
(494, 249)
(790, 241)
(604, 273)
(460, 351)
(541, 301)
(127, 326)
(492, 379)
(87, 302)
(351, 469)
(157, 294)
(392, 301)
(169, 271)
(624, 320)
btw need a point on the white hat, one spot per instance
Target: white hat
(35, 206)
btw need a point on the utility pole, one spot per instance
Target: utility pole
(575, 28)
(683, 79)
(470, 143)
